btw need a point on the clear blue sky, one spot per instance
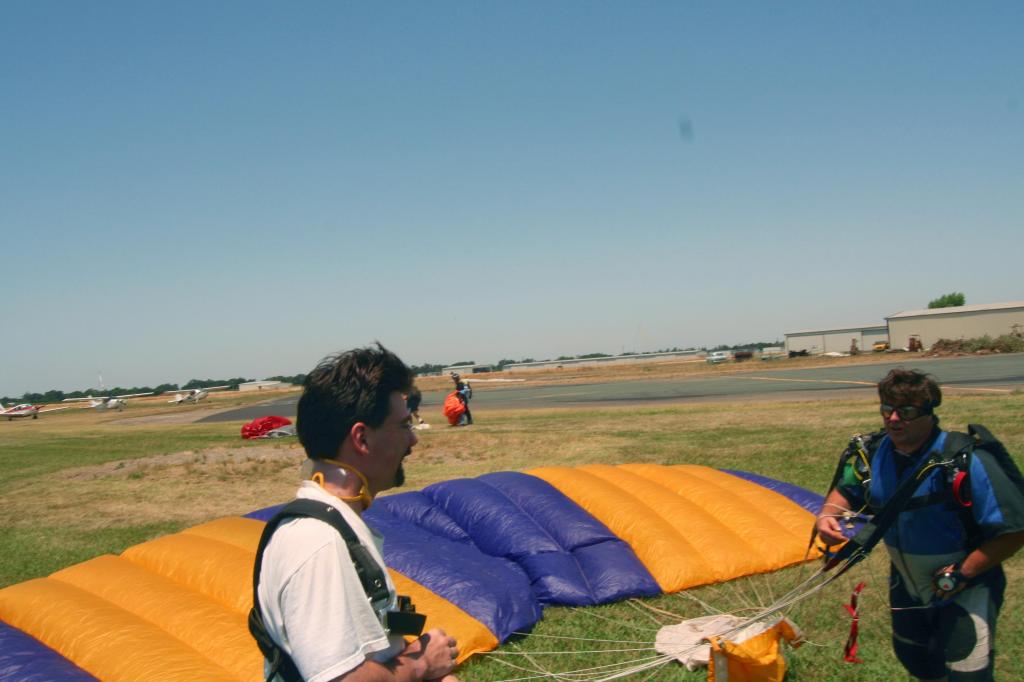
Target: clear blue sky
(219, 189)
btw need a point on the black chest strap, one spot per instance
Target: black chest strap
(873, 531)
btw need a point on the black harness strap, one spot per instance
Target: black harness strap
(955, 457)
(371, 575)
(873, 531)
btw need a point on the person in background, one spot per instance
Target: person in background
(412, 401)
(465, 392)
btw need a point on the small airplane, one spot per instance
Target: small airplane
(193, 395)
(108, 402)
(26, 410)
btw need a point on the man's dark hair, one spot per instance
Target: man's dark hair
(909, 387)
(345, 388)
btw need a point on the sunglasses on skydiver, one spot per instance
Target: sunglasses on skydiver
(906, 412)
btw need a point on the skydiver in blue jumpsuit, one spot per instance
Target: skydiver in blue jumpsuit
(946, 579)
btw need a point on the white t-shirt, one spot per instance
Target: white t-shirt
(313, 604)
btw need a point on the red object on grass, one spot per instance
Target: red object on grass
(259, 426)
(453, 408)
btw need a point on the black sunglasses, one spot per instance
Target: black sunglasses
(906, 412)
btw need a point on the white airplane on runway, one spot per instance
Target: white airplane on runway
(193, 395)
(25, 410)
(107, 402)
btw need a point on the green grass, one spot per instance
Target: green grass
(34, 454)
(792, 441)
(44, 548)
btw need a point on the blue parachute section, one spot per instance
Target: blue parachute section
(493, 590)
(501, 546)
(26, 659)
(569, 556)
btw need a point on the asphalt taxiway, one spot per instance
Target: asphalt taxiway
(974, 374)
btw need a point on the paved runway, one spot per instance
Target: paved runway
(983, 374)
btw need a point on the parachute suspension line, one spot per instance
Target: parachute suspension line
(634, 665)
(800, 587)
(601, 673)
(589, 612)
(579, 639)
(536, 665)
(749, 595)
(807, 587)
(797, 595)
(651, 674)
(563, 653)
(543, 675)
(711, 610)
(632, 603)
(655, 609)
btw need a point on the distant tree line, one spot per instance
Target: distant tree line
(426, 368)
(297, 379)
(206, 383)
(504, 362)
(55, 396)
(756, 345)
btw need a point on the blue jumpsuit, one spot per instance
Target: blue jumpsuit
(954, 638)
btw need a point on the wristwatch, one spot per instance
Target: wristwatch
(948, 578)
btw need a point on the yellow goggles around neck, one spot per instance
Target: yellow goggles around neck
(364, 497)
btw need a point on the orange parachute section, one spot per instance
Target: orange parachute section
(690, 525)
(453, 408)
(175, 608)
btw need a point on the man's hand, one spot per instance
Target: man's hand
(436, 651)
(829, 530)
(430, 658)
(828, 525)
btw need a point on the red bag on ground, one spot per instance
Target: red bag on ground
(453, 408)
(259, 426)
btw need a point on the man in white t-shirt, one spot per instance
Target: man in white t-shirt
(356, 429)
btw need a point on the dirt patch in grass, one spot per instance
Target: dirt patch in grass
(188, 487)
(191, 459)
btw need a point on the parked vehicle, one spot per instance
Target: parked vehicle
(715, 357)
(880, 346)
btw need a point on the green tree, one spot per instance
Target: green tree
(950, 300)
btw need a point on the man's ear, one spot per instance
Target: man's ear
(358, 434)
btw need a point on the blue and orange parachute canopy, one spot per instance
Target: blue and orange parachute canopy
(481, 557)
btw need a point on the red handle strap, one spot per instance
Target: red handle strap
(850, 650)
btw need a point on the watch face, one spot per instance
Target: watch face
(946, 583)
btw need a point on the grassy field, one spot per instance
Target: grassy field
(77, 484)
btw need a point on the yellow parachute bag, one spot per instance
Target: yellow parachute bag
(754, 655)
